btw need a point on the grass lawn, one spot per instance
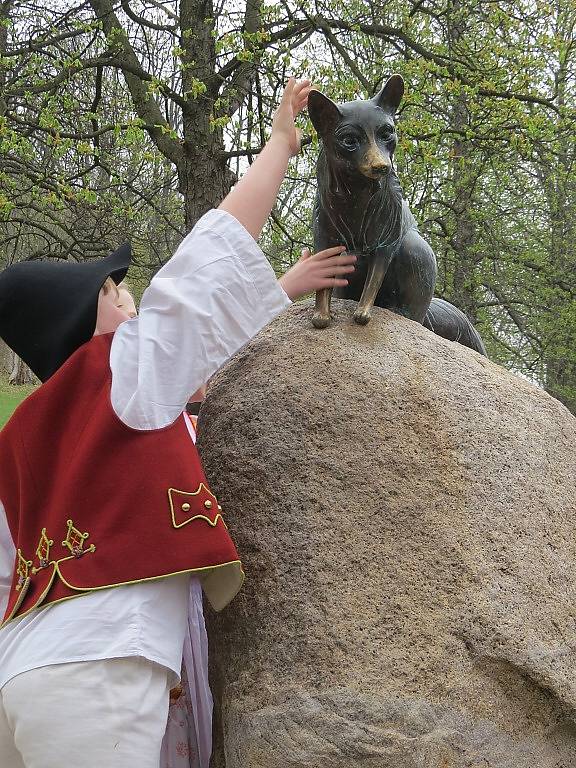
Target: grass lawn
(10, 397)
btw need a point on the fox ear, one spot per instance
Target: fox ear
(391, 94)
(323, 112)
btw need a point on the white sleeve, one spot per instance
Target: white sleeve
(7, 559)
(214, 295)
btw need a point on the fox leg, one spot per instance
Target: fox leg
(374, 279)
(321, 317)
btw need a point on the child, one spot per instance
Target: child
(107, 523)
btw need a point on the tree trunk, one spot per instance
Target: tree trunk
(204, 181)
(20, 373)
(203, 175)
(464, 281)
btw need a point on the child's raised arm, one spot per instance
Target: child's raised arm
(211, 297)
(253, 197)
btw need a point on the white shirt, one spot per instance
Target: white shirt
(215, 293)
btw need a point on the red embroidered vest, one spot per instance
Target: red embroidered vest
(92, 503)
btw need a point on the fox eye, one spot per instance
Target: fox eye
(386, 134)
(349, 141)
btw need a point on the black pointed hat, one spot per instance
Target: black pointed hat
(48, 308)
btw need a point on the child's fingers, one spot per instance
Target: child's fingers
(346, 259)
(285, 109)
(289, 89)
(345, 269)
(300, 86)
(300, 95)
(287, 96)
(329, 252)
(332, 282)
(330, 263)
(305, 253)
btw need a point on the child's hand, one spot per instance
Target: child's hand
(314, 272)
(293, 101)
(251, 200)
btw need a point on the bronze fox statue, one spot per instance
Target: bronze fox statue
(360, 204)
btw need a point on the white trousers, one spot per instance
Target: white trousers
(89, 714)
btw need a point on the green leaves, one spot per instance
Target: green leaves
(486, 153)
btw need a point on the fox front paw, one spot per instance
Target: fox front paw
(362, 316)
(320, 320)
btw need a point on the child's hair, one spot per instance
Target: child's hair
(108, 285)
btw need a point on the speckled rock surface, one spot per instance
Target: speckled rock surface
(406, 514)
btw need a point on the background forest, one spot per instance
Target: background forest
(129, 119)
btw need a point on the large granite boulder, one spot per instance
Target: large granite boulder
(406, 514)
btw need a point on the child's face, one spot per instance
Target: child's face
(110, 315)
(126, 302)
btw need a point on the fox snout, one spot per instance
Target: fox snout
(376, 169)
(380, 169)
(375, 164)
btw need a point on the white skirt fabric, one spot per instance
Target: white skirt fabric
(188, 739)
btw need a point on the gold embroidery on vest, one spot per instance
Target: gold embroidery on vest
(43, 552)
(22, 571)
(186, 507)
(75, 541)
(22, 590)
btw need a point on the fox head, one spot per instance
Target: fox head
(359, 136)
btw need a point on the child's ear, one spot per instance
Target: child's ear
(391, 94)
(323, 112)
